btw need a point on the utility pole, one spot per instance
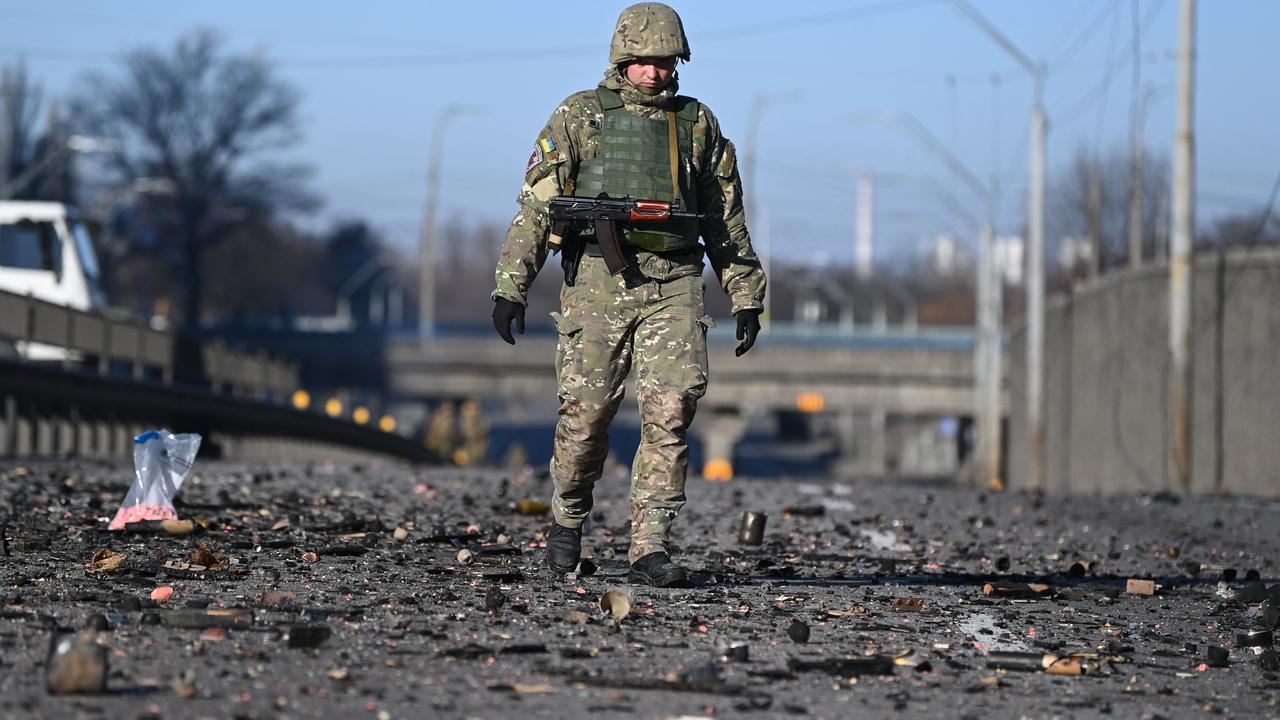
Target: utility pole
(1180, 242)
(991, 300)
(864, 241)
(430, 249)
(987, 348)
(1035, 246)
(1136, 110)
(1095, 219)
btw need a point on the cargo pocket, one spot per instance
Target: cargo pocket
(568, 351)
(707, 322)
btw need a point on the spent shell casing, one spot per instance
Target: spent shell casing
(752, 530)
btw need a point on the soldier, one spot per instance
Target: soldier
(633, 135)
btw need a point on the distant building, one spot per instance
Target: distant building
(1009, 253)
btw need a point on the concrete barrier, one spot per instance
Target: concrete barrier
(1107, 379)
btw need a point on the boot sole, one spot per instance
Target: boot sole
(669, 580)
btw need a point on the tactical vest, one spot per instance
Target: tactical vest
(637, 159)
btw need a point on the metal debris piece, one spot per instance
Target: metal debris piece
(907, 604)
(1254, 638)
(1016, 590)
(845, 666)
(200, 619)
(751, 531)
(308, 636)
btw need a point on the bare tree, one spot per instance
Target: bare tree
(19, 109)
(206, 122)
(1090, 201)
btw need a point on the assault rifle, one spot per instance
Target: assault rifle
(570, 214)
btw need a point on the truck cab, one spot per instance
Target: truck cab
(45, 251)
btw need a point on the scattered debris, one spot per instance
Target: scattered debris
(308, 636)
(400, 534)
(1217, 657)
(751, 532)
(77, 665)
(907, 604)
(1016, 590)
(199, 619)
(532, 507)
(844, 666)
(1253, 638)
(1140, 587)
(106, 560)
(1054, 664)
(162, 593)
(1269, 661)
(804, 511)
(798, 631)
(616, 604)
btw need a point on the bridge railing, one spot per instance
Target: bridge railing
(80, 335)
(84, 384)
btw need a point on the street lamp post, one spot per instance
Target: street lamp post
(1035, 246)
(430, 250)
(74, 144)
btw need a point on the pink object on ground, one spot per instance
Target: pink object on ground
(162, 593)
(161, 461)
(135, 513)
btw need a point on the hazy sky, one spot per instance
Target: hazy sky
(374, 75)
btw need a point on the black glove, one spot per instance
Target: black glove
(504, 311)
(748, 329)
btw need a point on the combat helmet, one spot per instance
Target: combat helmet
(648, 29)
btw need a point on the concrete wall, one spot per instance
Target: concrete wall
(1107, 375)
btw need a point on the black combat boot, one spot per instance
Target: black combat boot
(564, 545)
(657, 570)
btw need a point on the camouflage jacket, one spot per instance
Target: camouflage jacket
(572, 135)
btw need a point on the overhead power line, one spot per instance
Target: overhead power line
(498, 56)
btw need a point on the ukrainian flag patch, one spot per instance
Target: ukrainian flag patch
(546, 143)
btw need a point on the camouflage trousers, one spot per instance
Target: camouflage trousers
(608, 324)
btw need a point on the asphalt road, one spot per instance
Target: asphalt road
(340, 618)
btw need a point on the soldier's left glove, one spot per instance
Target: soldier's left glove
(748, 329)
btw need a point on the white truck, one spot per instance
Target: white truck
(46, 252)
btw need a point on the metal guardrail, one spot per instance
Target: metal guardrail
(148, 351)
(86, 404)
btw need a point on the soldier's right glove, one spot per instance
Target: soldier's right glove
(504, 311)
(748, 329)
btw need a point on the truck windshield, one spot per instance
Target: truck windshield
(28, 245)
(84, 247)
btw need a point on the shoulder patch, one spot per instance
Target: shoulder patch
(534, 158)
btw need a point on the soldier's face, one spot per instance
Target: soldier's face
(651, 72)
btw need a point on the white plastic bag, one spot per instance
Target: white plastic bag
(161, 461)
